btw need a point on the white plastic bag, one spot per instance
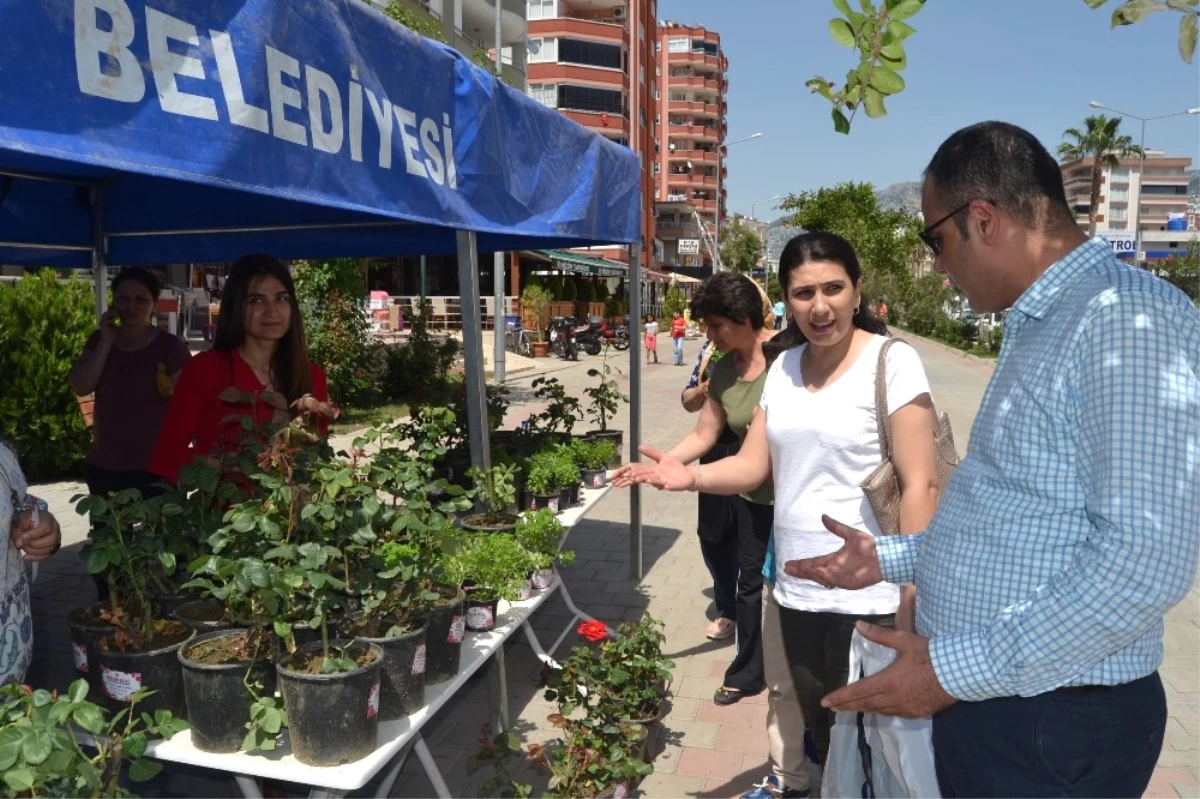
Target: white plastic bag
(899, 750)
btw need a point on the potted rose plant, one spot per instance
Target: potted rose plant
(606, 397)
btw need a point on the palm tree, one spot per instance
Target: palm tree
(1101, 141)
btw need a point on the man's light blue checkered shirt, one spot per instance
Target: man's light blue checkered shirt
(1073, 523)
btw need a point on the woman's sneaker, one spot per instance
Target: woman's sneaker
(772, 788)
(720, 628)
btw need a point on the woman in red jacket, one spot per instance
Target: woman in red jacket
(259, 350)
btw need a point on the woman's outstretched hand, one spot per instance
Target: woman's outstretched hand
(663, 472)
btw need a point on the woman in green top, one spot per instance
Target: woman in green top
(732, 308)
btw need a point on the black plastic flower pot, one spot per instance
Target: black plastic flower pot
(489, 523)
(123, 673)
(565, 498)
(481, 615)
(87, 628)
(539, 501)
(443, 640)
(332, 718)
(202, 615)
(402, 679)
(165, 605)
(615, 436)
(595, 478)
(218, 703)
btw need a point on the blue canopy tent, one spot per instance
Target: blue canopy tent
(170, 131)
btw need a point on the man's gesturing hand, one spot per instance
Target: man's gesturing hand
(853, 566)
(909, 687)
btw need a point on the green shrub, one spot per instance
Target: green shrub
(570, 291)
(418, 370)
(332, 296)
(44, 323)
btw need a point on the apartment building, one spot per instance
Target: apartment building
(594, 61)
(469, 26)
(690, 168)
(1153, 197)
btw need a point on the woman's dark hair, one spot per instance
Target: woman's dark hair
(138, 275)
(730, 295)
(289, 365)
(806, 248)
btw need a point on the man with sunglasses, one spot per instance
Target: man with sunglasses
(1073, 524)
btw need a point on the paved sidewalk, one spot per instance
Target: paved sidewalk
(704, 750)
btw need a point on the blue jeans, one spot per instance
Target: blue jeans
(677, 346)
(1102, 743)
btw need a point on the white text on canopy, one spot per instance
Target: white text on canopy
(320, 116)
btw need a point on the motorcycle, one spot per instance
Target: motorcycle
(592, 338)
(620, 336)
(561, 335)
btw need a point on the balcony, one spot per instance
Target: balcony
(698, 60)
(614, 124)
(695, 156)
(575, 73)
(612, 31)
(694, 82)
(670, 230)
(691, 180)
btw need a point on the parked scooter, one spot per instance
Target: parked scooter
(561, 335)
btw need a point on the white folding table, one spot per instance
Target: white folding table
(396, 739)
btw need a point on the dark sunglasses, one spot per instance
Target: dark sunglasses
(926, 235)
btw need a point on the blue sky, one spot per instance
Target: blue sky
(1035, 63)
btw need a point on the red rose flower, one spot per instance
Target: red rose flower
(593, 630)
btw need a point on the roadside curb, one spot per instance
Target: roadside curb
(991, 362)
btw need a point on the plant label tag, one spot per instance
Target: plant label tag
(542, 579)
(418, 666)
(373, 702)
(552, 504)
(524, 592)
(480, 618)
(120, 685)
(458, 628)
(598, 480)
(621, 790)
(79, 652)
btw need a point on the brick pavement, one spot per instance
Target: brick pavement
(704, 750)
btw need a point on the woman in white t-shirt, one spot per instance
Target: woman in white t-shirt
(814, 433)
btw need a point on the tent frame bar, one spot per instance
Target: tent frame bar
(14, 173)
(254, 229)
(32, 245)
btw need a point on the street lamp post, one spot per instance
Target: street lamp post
(753, 216)
(720, 168)
(1137, 211)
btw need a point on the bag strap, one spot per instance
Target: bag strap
(883, 422)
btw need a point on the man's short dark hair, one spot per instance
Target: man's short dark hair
(730, 295)
(1005, 165)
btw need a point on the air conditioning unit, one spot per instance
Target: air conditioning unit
(619, 12)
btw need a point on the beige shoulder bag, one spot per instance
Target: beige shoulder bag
(882, 486)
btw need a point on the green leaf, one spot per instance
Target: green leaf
(1094, 4)
(58, 762)
(282, 628)
(1134, 11)
(841, 32)
(19, 780)
(78, 691)
(873, 102)
(167, 559)
(905, 9)
(135, 745)
(36, 746)
(272, 721)
(97, 561)
(893, 54)
(842, 6)
(840, 123)
(42, 697)
(886, 81)
(820, 86)
(10, 747)
(89, 718)
(1187, 37)
(900, 31)
(142, 769)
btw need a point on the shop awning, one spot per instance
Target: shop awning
(584, 265)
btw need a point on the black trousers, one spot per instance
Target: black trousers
(716, 525)
(754, 523)
(818, 653)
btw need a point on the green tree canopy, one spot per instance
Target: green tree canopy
(741, 247)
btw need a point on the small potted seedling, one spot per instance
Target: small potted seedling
(541, 533)
(496, 492)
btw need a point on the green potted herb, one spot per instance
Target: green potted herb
(497, 567)
(566, 477)
(541, 533)
(606, 397)
(563, 410)
(541, 487)
(140, 651)
(496, 492)
(592, 456)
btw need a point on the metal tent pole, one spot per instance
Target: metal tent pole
(635, 407)
(498, 327)
(99, 265)
(468, 287)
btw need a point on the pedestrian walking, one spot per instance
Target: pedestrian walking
(678, 331)
(779, 314)
(1070, 528)
(651, 338)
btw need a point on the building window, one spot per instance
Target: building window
(641, 32)
(589, 98)
(541, 9)
(545, 93)
(1119, 175)
(588, 53)
(543, 51)
(1118, 214)
(679, 44)
(1169, 191)
(1117, 226)
(642, 75)
(706, 48)
(1119, 195)
(679, 97)
(642, 115)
